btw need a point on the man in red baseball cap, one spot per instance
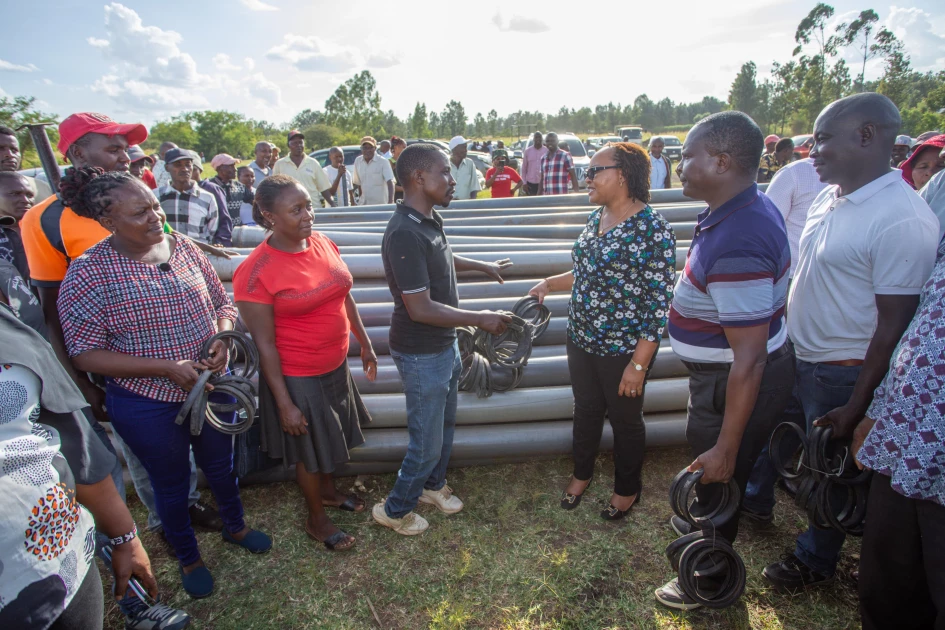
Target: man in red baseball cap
(76, 129)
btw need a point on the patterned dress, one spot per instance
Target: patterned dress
(623, 283)
(907, 442)
(46, 537)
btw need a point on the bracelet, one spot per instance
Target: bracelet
(121, 540)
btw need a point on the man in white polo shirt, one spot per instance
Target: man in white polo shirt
(305, 169)
(868, 246)
(373, 175)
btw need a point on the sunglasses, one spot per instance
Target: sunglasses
(592, 172)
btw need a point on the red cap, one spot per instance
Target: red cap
(77, 125)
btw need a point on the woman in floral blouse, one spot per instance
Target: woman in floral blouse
(621, 289)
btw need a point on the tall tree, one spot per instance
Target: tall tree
(858, 32)
(21, 110)
(743, 95)
(479, 125)
(814, 27)
(356, 105)
(417, 122)
(307, 118)
(492, 118)
(453, 118)
(896, 74)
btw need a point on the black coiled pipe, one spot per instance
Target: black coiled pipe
(199, 408)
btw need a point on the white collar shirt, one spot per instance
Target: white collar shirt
(793, 190)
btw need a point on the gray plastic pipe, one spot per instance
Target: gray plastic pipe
(486, 445)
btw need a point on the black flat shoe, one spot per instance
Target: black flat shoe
(610, 513)
(571, 501)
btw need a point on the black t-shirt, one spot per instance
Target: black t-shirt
(417, 257)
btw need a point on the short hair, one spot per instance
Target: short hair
(784, 143)
(735, 134)
(241, 169)
(656, 139)
(6, 131)
(88, 190)
(82, 141)
(396, 141)
(166, 145)
(262, 143)
(416, 157)
(266, 195)
(11, 175)
(335, 150)
(634, 163)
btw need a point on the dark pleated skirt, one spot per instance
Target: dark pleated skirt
(334, 410)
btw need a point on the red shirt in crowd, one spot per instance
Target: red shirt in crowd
(148, 178)
(502, 186)
(307, 291)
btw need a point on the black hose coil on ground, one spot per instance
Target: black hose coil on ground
(831, 489)
(236, 384)
(494, 363)
(710, 571)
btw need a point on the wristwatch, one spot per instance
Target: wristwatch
(636, 366)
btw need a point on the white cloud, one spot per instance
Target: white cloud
(249, 63)
(223, 63)
(258, 5)
(7, 66)
(914, 28)
(383, 60)
(261, 88)
(311, 53)
(137, 96)
(519, 24)
(149, 53)
(47, 82)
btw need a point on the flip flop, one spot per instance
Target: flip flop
(350, 504)
(333, 542)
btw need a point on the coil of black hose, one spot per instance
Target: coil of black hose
(830, 488)
(716, 515)
(199, 409)
(535, 313)
(515, 342)
(710, 571)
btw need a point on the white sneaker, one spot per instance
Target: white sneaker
(410, 525)
(443, 499)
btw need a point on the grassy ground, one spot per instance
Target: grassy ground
(511, 560)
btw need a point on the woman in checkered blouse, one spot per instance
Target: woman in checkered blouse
(137, 308)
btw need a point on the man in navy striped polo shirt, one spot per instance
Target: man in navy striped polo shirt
(727, 318)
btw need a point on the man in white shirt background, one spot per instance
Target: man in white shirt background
(373, 175)
(463, 170)
(660, 166)
(305, 169)
(342, 191)
(383, 150)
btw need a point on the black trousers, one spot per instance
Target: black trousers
(902, 562)
(531, 190)
(707, 391)
(595, 381)
(86, 611)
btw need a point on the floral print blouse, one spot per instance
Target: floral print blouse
(623, 283)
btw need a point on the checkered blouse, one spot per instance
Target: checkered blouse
(110, 302)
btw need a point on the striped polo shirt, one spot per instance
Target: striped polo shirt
(736, 276)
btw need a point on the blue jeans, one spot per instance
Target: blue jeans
(147, 426)
(431, 382)
(821, 388)
(142, 484)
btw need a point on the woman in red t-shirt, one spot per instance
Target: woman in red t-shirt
(293, 292)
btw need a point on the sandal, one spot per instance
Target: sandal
(610, 513)
(333, 542)
(570, 501)
(351, 504)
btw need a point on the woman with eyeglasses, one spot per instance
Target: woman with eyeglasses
(621, 289)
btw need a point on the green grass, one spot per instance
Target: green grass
(511, 560)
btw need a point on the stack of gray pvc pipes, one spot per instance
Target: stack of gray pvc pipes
(533, 420)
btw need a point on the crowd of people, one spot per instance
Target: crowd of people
(819, 300)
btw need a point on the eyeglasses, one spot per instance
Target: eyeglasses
(592, 172)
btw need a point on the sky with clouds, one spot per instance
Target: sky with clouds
(270, 59)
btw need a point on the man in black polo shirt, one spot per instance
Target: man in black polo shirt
(421, 272)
